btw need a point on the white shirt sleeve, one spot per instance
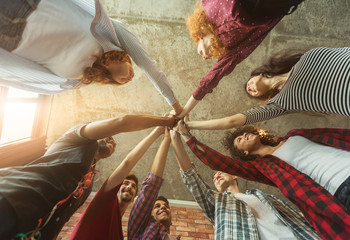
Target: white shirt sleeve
(134, 48)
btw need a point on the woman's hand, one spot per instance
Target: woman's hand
(181, 127)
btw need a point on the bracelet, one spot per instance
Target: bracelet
(188, 135)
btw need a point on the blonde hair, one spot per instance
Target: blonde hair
(98, 72)
(199, 27)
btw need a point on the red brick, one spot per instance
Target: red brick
(184, 224)
(198, 235)
(187, 229)
(205, 230)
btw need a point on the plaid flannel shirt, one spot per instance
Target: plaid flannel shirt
(141, 223)
(233, 219)
(319, 207)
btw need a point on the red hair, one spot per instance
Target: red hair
(98, 72)
(199, 27)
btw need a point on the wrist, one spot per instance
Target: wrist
(186, 134)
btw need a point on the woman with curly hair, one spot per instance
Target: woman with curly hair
(311, 167)
(57, 45)
(317, 81)
(230, 31)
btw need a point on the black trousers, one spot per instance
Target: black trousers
(270, 8)
(343, 194)
(8, 222)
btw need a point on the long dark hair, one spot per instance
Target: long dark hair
(266, 137)
(278, 64)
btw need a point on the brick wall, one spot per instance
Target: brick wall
(190, 223)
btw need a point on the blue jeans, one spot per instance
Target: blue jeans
(343, 194)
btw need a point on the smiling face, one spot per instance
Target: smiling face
(127, 191)
(161, 212)
(223, 180)
(121, 72)
(256, 86)
(247, 142)
(203, 47)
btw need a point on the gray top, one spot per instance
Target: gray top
(319, 82)
(33, 189)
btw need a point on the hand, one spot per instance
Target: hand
(172, 120)
(166, 133)
(174, 135)
(160, 130)
(181, 127)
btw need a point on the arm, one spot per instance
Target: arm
(141, 212)
(134, 48)
(180, 152)
(140, 215)
(159, 161)
(131, 159)
(200, 190)
(233, 121)
(191, 103)
(267, 111)
(126, 123)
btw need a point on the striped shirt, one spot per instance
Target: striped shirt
(233, 219)
(111, 34)
(319, 82)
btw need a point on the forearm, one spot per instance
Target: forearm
(126, 123)
(131, 44)
(160, 158)
(181, 155)
(131, 160)
(201, 192)
(236, 120)
(191, 103)
(177, 108)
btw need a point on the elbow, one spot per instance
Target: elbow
(121, 120)
(231, 123)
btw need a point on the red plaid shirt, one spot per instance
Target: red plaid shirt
(319, 207)
(141, 224)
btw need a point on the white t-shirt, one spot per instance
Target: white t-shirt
(328, 166)
(57, 36)
(270, 227)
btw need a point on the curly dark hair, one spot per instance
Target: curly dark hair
(98, 71)
(279, 63)
(266, 138)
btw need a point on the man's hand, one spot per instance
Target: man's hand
(172, 120)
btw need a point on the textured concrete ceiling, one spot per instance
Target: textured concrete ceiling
(160, 25)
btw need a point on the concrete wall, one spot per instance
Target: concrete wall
(160, 25)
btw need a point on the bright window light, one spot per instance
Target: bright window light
(18, 121)
(17, 93)
(18, 114)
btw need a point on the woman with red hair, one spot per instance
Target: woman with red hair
(48, 46)
(230, 31)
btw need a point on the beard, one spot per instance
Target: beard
(125, 198)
